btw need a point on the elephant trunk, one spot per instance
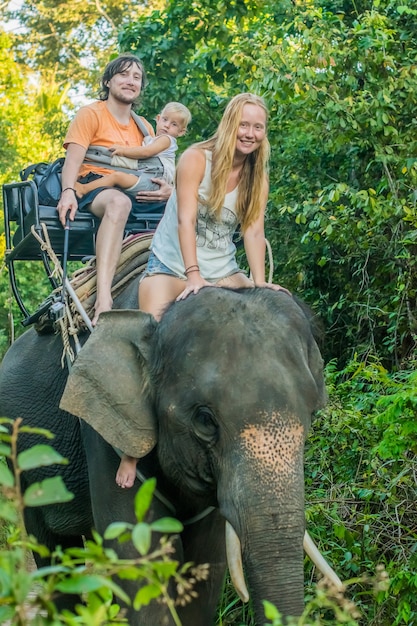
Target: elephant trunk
(262, 498)
(274, 570)
(234, 562)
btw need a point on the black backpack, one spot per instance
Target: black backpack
(47, 177)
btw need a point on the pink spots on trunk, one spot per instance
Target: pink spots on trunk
(274, 446)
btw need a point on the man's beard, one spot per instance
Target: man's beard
(124, 99)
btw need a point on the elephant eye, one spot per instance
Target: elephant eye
(204, 423)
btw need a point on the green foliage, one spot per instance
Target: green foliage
(340, 81)
(199, 53)
(27, 596)
(32, 120)
(360, 474)
(73, 40)
(32, 125)
(342, 93)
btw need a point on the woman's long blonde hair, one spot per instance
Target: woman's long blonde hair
(255, 168)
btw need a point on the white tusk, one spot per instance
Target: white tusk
(234, 562)
(320, 562)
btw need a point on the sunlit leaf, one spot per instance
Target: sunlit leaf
(38, 456)
(49, 491)
(145, 595)
(141, 537)
(167, 525)
(143, 498)
(6, 476)
(115, 529)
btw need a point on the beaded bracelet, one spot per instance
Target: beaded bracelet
(191, 268)
(66, 189)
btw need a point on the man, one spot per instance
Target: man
(105, 123)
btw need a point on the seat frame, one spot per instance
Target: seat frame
(22, 211)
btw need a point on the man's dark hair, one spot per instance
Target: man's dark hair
(120, 64)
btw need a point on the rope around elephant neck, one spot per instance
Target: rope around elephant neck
(142, 478)
(66, 324)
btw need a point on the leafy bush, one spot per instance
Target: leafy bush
(361, 467)
(88, 571)
(361, 489)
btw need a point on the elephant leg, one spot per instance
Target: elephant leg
(35, 524)
(204, 542)
(110, 503)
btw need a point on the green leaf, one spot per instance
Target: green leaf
(6, 614)
(83, 584)
(8, 512)
(271, 612)
(37, 431)
(49, 570)
(141, 537)
(4, 450)
(165, 569)
(116, 529)
(145, 595)
(167, 525)
(39, 456)
(49, 491)
(6, 476)
(143, 498)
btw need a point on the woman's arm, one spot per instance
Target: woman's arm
(189, 174)
(160, 143)
(255, 247)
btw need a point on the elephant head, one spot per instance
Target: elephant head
(224, 387)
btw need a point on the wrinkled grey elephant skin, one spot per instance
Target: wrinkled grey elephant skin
(216, 400)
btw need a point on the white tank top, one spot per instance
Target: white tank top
(216, 252)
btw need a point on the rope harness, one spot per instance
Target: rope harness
(82, 288)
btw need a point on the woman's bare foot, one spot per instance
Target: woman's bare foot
(126, 473)
(79, 190)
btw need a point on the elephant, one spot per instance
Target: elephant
(216, 401)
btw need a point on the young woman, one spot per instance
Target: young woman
(220, 183)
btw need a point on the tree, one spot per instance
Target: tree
(32, 126)
(346, 171)
(73, 40)
(340, 82)
(339, 78)
(200, 53)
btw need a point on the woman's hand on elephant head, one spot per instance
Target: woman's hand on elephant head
(193, 285)
(273, 286)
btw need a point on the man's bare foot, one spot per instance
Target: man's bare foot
(100, 308)
(79, 190)
(126, 473)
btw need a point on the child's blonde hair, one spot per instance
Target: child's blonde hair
(177, 107)
(254, 171)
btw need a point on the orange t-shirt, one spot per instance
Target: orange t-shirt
(94, 125)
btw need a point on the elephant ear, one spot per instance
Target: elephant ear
(108, 385)
(315, 363)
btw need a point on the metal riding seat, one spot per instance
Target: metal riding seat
(24, 216)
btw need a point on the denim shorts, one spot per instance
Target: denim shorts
(155, 266)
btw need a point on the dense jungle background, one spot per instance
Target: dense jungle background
(340, 80)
